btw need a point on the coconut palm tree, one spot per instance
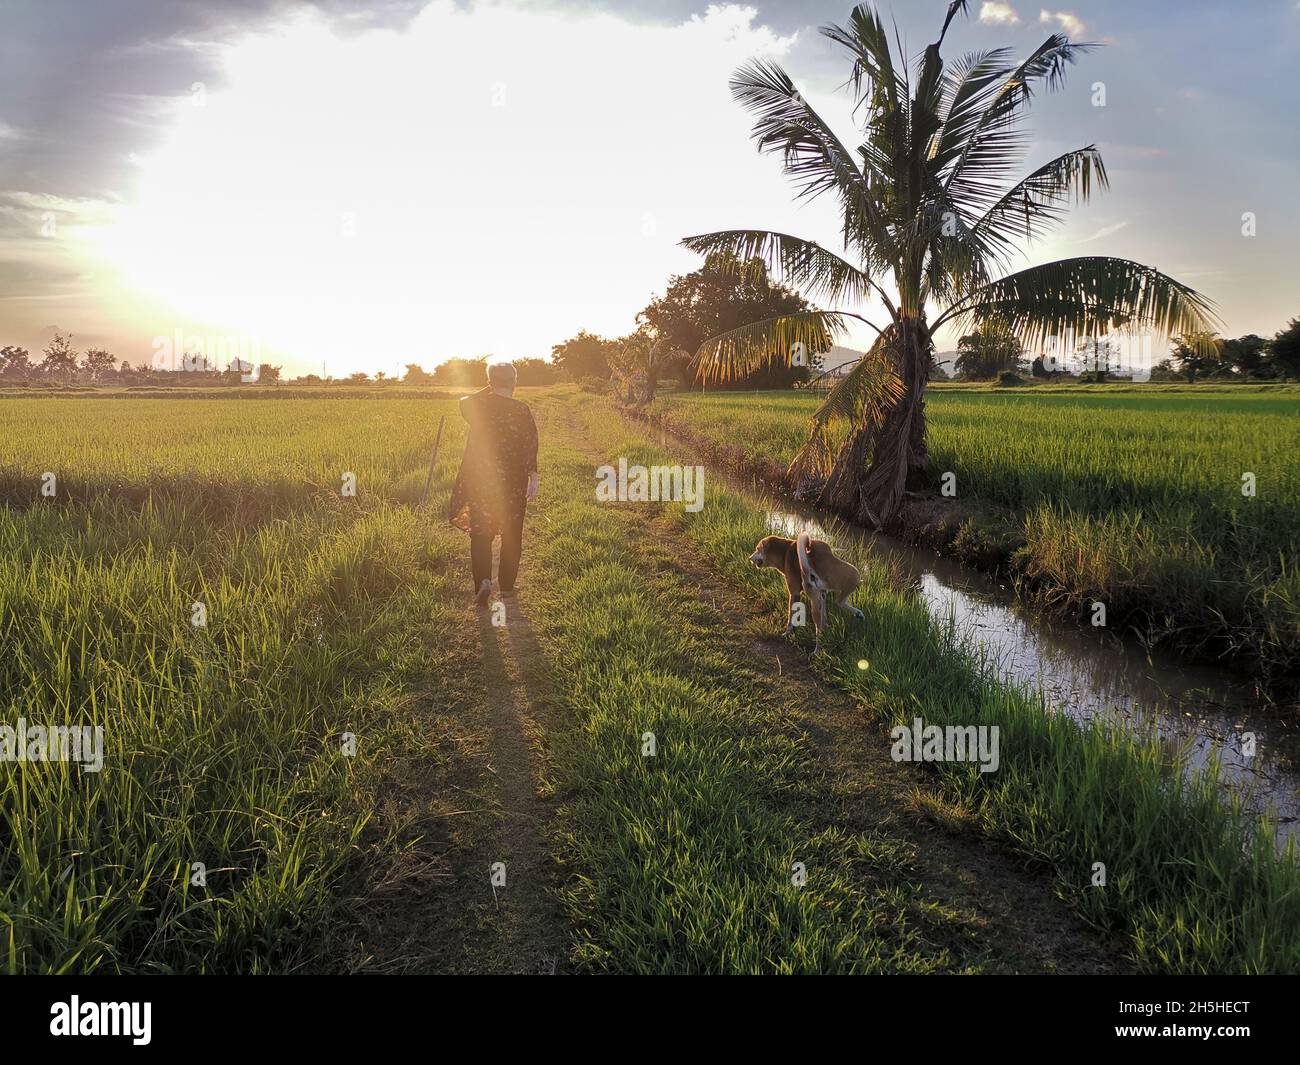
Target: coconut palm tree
(931, 219)
(642, 359)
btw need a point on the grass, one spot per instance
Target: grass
(223, 743)
(682, 861)
(1131, 497)
(1192, 883)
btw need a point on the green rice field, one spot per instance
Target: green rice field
(318, 756)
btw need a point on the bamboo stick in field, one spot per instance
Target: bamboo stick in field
(433, 461)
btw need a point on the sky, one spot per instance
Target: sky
(345, 186)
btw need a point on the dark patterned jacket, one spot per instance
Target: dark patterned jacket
(500, 453)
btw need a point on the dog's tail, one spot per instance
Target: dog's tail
(810, 577)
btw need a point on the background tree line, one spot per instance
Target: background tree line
(724, 294)
(61, 364)
(992, 351)
(720, 296)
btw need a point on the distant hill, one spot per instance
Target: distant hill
(839, 356)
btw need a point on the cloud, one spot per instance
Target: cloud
(101, 138)
(998, 14)
(484, 180)
(82, 91)
(1067, 20)
(1104, 232)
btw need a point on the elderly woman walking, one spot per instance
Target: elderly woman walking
(498, 475)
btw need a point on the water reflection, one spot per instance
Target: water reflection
(1086, 672)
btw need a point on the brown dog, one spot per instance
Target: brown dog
(811, 568)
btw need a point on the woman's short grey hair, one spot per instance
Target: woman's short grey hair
(502, 375)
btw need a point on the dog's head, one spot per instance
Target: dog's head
(770, 551)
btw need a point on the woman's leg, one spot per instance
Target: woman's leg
(480, 559)
(512, 545)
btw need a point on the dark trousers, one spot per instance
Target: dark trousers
(512, 546)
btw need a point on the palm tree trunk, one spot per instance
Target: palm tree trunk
(872, 471)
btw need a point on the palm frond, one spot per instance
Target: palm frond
(982, 141)
(953, 8)
(865, 394)
(880, 87)
(862, 398)
(967, 80)
(928, 104)
(818, 272)
(1086, 297)
(812, 155)
(738, 352)
(958, 257)
(1038, 202)
(963, 253)
(867, 41)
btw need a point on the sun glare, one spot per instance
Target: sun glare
(456, 188)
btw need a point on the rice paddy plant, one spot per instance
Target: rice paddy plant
(226, 655)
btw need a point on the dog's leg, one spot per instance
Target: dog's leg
(819, 617)
(792, 589)
(849, 608)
